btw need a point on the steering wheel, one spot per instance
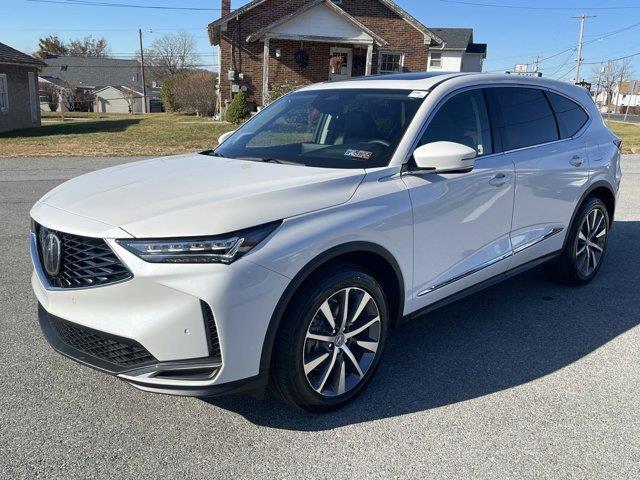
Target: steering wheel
(379, 141)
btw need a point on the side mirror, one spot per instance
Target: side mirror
(445, 157)
(224, 136)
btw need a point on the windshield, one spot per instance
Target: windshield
(342, 128)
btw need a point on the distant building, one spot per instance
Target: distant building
(18, 89)
(458, 53)
(624, 95)
(122, 99)
(91, 75)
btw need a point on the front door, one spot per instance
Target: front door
(344, 71)
(461, 221)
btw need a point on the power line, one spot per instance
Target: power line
(612, 59)
(527, 7)
(123, 5)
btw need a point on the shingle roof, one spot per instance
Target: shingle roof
(11, 55)
(214, 27)
(93, 71)
(455, 38)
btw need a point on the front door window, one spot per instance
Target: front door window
(342, 71)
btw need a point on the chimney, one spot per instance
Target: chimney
(225, 7)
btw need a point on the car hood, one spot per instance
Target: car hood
(191, 195)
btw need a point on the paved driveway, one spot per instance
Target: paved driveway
(526, 379)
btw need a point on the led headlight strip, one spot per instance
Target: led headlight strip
(216, 249)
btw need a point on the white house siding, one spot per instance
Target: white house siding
(451, 61)
(320, 21)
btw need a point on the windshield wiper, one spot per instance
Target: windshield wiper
(211, 153)
(269, 160)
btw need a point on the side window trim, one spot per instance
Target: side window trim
(545, 93)
(439, 105)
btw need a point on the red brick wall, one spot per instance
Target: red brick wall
(237, 54)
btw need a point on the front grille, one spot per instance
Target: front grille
(84, 262)
(120, 351)
(211, 330)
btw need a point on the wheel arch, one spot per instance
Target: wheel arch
(370, 256)
(604, 191)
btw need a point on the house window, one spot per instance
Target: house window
(390, 62)
(4, 94)
(436, 60)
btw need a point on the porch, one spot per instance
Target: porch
(318, 42)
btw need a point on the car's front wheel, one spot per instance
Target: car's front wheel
(330, 340)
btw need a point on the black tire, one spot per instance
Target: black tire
(568, 268)
(288, 378)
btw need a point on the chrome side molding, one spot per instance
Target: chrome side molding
(553, 231)
(482, 266)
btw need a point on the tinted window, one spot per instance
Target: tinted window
(462, 119)
(571, 116)
(525, 117)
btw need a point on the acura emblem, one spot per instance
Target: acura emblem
(51, 253)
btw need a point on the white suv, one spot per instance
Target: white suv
(285, 256)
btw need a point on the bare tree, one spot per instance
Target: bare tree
(608, 77)
(77, 99)
(171, 54)
(130, 96)
(194, 91)
(52, 93)
(88, 47)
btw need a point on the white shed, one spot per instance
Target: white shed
(119, 99)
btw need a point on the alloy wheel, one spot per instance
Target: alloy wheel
(592, 238)
(342, 341)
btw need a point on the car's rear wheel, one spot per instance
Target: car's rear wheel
(585, 246)
(330, 340)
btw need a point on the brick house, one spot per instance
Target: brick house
(19, 106)
(308, 41)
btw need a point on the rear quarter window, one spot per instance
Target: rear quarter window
(571, 116)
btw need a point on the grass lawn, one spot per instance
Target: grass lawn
(82, 134)
(629, 133)
(90, 134)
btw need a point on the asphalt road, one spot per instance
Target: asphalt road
(524, 380)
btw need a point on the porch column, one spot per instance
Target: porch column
(265, 72)
(367, 70)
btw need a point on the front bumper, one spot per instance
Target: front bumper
(160, 310)
(189, 377)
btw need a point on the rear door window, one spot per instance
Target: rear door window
(571, 116)
(524, 117)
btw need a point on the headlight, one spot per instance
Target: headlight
(219, 249)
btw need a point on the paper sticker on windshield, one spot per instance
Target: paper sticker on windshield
(364, 154)
(418, 94)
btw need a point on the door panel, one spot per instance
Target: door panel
(461, 227)
(462, 221)
(552, 169)
(550, 179)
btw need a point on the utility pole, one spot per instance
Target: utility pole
(144, 84)
(582, 18)
(631, 100)
(536, 62)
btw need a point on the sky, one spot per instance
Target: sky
(514, 30)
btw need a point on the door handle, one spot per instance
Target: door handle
(576, 161)
(498, 180)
